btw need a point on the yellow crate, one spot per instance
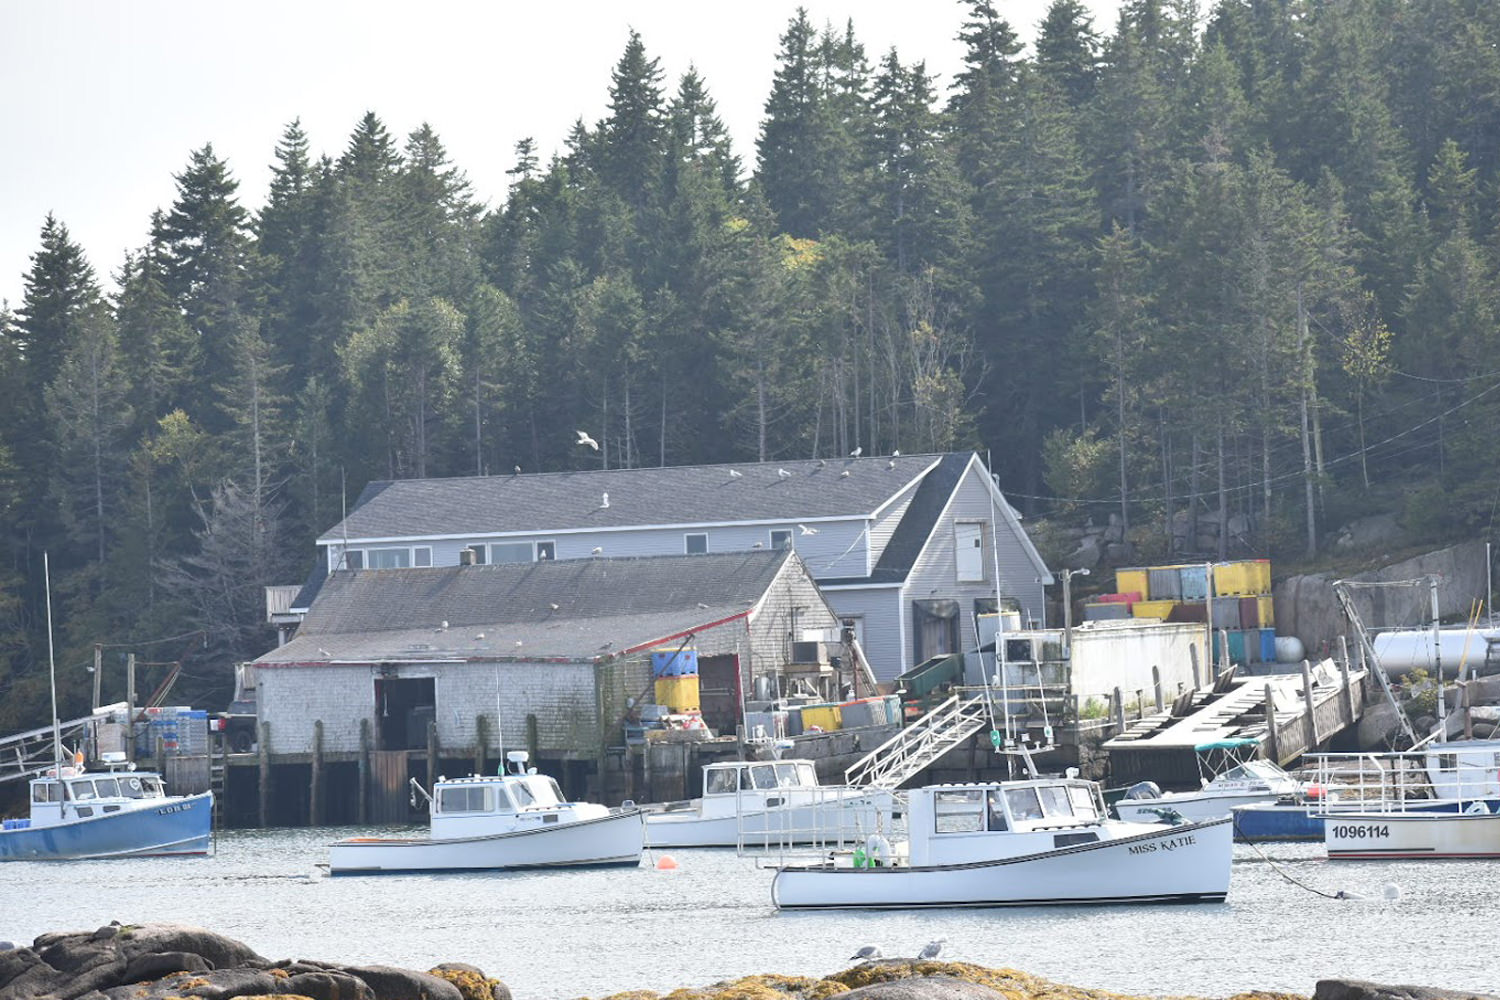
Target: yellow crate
(826, 717)
(1153, 609)
(1133, 581)
(1245, 578)
(1266, 609)
(680, 694)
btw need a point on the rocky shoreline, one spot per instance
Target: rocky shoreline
(170, 961)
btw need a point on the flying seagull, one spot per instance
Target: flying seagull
(806, 530)
(583, 438)
(858, 450)
(868, 953)
(735, 474)
(932, 949)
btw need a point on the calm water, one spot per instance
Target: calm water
(569, 934)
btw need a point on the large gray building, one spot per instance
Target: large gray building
(907, 549)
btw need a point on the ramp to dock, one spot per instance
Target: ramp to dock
(1288, 714)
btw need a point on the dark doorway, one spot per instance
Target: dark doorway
(719, 692)
(403, 708)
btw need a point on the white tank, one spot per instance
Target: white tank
(1289, 649)
(1404, 651)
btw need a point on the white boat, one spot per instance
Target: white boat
(1437, 803)
(1240, 779)
(1040, 841)
(768, 804)
(518, 820)
(117, 813)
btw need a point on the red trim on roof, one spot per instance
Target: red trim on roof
(687, 632)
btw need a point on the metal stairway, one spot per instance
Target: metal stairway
(918, 745)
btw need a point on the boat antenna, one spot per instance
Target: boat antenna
(499, 734)
(999, 605)
(52, 669)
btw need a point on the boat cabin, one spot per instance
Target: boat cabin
(482, 805)
(734, 776)
(80, 795)
(950, 824)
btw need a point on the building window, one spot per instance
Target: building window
(510, 552)
(421, 555)
(968, 551)
(388, 558)
(546, 550)
(354, 559)
(781, 538)
(695, 544)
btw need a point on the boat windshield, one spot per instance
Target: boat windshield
(131, 787)
(720, 780)
(107, 788)
(536, 790)
(46, 791)
(792, 775)
(763, 776)
(1024, 803)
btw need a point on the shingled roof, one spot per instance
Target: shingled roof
(570, 609)
(682, 495)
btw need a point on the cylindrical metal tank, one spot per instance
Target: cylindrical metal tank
(1400, 652)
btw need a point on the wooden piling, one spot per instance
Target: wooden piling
(1119, 699)
(1272, 739)
(1156, 688)
(264, 753)
(1310, 726)
(315, 789)
(362, 808)
(1193, 657)
(1350, 708)
(432, 754)
(481, 737)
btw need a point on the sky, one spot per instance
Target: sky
(104, 100)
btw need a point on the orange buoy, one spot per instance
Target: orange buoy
(666, 863)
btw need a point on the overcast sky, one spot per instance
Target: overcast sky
(104, 100)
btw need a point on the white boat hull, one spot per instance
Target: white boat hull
(1182, 864)
(1191, 807)
(616, 839)
(1384, 835)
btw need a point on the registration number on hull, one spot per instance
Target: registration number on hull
(1361, 831)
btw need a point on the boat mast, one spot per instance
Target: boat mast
(52, 670)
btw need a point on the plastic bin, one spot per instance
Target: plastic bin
(1265, 610)
(1164, 583)
(1135, 580)
(826, 717)
(1267, 645)
(1095, 611)
(680, 694)
(1153, 609)
(1194, 582)
(674, 663)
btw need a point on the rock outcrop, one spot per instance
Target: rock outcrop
(157, 961)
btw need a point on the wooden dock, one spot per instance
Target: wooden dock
(1288, 714)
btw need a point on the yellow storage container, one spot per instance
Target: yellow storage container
(1267, 610)
(1152, 609)
(1244, 578)
(825, 717)
(680, 694)
(1133, 581)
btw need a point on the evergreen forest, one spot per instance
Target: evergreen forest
(1231, 260)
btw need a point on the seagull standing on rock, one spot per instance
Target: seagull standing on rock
(868, 953)
(932, 949)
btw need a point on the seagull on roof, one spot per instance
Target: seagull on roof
(783, 473)
(605, 502)
(735, 473)
(554, 605)
(598, 550)
(858, 450)
(518, 470)
(806, 530)
(896, 453)
(868, 953)
(583, 438)
(891, 464)
(844, 474)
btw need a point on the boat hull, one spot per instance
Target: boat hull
(1304, 821)
(1191, 807)
(166, 827)
(1189, 863)
(613, 840)
(1366, 836)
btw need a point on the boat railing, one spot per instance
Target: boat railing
(1396, 782)
(817, 823)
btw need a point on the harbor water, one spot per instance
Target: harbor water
(565, 934)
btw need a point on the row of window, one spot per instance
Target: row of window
(401, 557)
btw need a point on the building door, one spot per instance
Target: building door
(719, 692)
(403, 708)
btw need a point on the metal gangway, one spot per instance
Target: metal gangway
(922, 743)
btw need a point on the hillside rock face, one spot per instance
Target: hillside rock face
(1306, 606)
